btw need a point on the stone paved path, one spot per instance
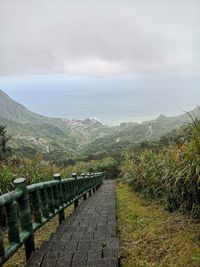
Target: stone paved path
(87, 237)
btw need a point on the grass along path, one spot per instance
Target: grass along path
(151, 236)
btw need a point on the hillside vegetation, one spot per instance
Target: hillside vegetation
(34, 134)
(165, 167)
(129, 135)
(168, 170)
(57, 139)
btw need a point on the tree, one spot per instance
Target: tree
(4, 138)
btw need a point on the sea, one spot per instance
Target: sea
(111, 99)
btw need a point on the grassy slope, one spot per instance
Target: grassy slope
(130, 136)
(150, 236)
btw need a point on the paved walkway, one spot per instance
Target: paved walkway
(87, 237)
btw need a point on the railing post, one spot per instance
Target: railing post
(89, 182)
(12, 222)
(94, 181)
(68, 191)
(61, 214)
(74, 175)
(55, 197)
(45, 204)
(25, 215)
(85, 195)
(65, 194)
(37, 215)
(93, 190)
(51, 199)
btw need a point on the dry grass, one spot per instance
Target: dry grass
(151, 236)
(18, 259)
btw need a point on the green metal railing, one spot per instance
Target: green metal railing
(27, 208)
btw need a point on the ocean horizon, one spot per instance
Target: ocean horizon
(112, 100)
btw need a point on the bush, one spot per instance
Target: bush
(4, 138)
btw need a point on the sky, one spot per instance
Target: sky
(156, 43)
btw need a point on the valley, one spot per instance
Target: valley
(33, 133)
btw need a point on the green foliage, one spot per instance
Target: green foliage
(32, 170)
(36, 170)
(109, 165)
(168, 170)
(4, 149)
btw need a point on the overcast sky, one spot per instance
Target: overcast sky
(116, 59)
(99, 37)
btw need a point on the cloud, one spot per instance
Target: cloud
(99, 38)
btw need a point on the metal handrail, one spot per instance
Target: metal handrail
(27, 208)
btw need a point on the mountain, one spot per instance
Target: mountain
(30, 130)
(11, 110)
(88, 130)
(32, 133)
(129, 135)
(36, 133)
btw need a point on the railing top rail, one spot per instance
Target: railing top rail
(8, 197)
(41, 185)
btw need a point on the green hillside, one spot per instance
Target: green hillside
(33, 133)
(131, 134)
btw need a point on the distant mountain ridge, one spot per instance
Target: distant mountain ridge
(12, 110)
(74, 137)
(128, 135)
(29, 129)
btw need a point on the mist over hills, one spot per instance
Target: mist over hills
(37, 133)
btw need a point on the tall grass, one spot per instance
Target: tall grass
(36, 170)
(169, 172)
